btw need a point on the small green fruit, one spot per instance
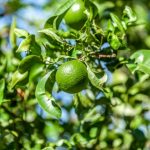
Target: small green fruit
(72, 76)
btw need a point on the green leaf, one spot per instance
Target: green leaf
(91, 10)
(29, 44)
(92, 116)
(78, 138)
(94, 80)
(64, 142)
(54, 21)
(21, 33)
(35, 48)
(48, 148)
(51, 33)
(141, 61)
(45, 100)
(18, 78)
(64, 6)
(103, 6)
(81, 101)
(3, 62)
(25, 45)
(114, 41)
(129, 15)
(2, 87)
(117, 23)
(28, 62)
(35, 72)
(110, 26)
(12, 36)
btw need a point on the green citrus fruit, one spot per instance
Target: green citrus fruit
(75, 16)
(72, 76)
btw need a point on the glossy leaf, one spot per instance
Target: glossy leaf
(84, 101)
(25, 45)
(35, 71)
(2, 87)
(29, 44)
(21, 33)
(92, 9)
(45, 100)
(110, 26)
(28, 62)
(64, 142)
(92, 116)
(114, 41)
(64, 6)
(129, 15)
(35, 48)
(141, 61)
(78, 138)
(17, 78)
(94, 80)
(103, 6)
(48, 148)
(54, 21)
(12, 36)
(50, 33)
(117, 22)
(3, 62)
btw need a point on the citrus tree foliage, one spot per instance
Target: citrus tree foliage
(111, 113)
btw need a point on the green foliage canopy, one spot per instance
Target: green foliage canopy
(112, 113)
